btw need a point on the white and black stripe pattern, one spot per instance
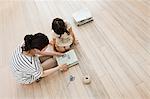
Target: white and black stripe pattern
(26, 69)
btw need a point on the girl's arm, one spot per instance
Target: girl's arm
(72, 34)
(54, 42)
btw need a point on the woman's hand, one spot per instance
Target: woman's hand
(59, 54)
(51, 43)
(63, 67)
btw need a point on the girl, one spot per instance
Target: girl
(62, 34)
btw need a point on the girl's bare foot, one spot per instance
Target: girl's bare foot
(76, 42)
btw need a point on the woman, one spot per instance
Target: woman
(26, 65)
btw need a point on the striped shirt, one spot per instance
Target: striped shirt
(26, 69)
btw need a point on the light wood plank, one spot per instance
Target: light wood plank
(114, 49)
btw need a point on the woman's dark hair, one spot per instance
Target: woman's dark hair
(38, 41)
(59, 26)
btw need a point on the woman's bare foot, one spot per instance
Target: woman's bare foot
(60, 49)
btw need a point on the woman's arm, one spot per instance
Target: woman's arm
(51, 53)
(52, 70)
(49, 71)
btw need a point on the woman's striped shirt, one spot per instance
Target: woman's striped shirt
(26, 69)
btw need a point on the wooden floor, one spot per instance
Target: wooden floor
(114, 49)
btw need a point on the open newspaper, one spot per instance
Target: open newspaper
(68, 58)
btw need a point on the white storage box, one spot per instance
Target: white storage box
(82, 16)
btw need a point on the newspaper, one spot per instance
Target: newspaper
(68, 58)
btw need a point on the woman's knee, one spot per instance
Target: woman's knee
(49, 63)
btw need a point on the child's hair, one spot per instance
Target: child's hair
(38, 41)
(59, 26)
